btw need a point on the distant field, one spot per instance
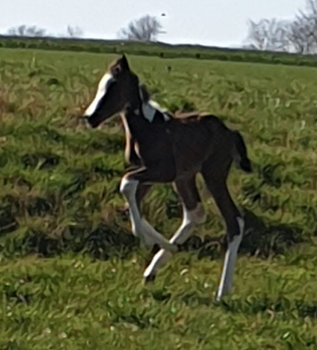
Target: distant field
(158, 49)
(70, 272)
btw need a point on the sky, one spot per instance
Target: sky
(206, 22)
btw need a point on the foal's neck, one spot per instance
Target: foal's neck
(143, 113)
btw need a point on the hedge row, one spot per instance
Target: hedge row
(157, 49)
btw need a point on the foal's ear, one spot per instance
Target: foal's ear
(124, 63)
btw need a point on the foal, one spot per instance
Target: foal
(172, 149)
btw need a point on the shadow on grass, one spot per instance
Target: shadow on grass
(280, 307)
(101, 243)
(260, 239)
(8, 222)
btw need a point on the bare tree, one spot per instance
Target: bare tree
(303, 33)
(298, 35)
(268, 35)
(24, 30)
(256, 38)
(146, 28)
(74, 32)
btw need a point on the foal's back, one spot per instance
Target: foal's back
(199, 138)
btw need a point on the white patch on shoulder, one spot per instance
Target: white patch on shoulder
(148, 111)
(150, 108)
(157, 106)
(103, 86)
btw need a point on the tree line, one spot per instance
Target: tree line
(297, 35)
(146, 28)
(37, 32)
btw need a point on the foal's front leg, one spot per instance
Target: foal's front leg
(141, 192)
(193, 215)
(140, 227)
(132, 158)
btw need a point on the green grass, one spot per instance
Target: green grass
(70, 271)
(74, 303)
(157, 49)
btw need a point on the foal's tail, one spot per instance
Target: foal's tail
(240, 153)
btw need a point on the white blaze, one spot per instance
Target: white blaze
(103, 86)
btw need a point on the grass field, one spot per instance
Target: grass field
(70, 272)
(157, 49)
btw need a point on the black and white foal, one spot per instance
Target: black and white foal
(170, 148)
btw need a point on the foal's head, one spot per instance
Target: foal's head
(117, 90)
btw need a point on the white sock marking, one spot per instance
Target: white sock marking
(103, 86)
(140, 227)
(190, 218)
(226, 280)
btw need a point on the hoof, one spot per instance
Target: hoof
(218, 298)
(149, 279)
(180, 247)
(123, 209)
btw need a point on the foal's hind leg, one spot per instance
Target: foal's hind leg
(193, 213)
(140, 227)
(216, 183)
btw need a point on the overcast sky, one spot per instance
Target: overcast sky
(210, 22)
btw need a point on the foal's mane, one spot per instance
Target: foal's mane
(185, 115)
(180, 115)
(144, 92)
(145, 95)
